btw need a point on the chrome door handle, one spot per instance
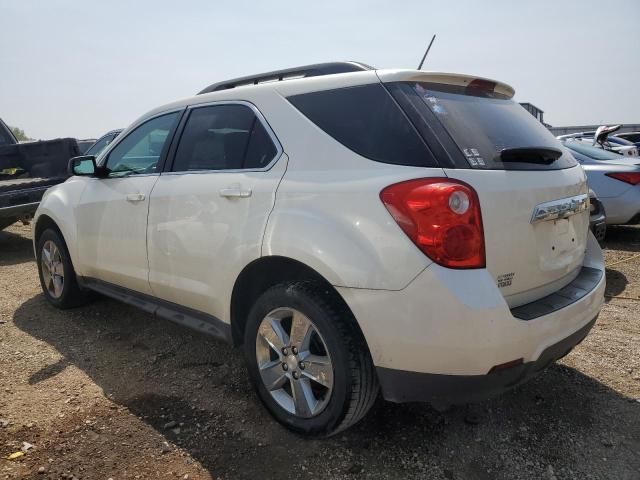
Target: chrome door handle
(235, 192)
(135, 197)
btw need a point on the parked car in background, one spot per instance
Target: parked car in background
(615, 180)
(622, 146)
(360, 230)
(6, 135)
(103, 142)
(633, 137)
(27, 170)
(597, 217)
(84, 144)
(604, 139)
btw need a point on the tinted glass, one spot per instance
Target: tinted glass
(5, 136)
(591, 152)
(484, 123)
(140, 151)
(632, 137)
(366, 120)
(101, 144)
(223, 137)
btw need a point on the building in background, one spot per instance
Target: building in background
(535, 111)
(539, 114)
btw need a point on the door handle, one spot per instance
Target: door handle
(135, 197)
(235, 192)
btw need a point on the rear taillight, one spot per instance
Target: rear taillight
(482, 85)
(442, 217)
(632, 178)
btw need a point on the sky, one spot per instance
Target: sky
(80, 68)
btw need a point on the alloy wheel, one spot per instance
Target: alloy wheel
(52, 269)
(294, 362)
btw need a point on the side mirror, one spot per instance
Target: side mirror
(84, 165)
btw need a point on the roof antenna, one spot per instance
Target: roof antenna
(427, 52)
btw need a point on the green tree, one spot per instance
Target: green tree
(20, 135)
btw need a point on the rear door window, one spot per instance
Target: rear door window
(368, 121)
(483, 124)
(223, 137)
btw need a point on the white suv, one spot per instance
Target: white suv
(357, 231)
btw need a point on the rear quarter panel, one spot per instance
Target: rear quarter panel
(328, 213)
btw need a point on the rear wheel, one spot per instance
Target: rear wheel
(307, 359)
(57, 277)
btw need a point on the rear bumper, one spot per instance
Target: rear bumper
(21, 202)
(442, 390)
(448, 329)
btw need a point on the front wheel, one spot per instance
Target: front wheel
(57, 277)
(307, 359)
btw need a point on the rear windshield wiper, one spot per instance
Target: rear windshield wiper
(539, 155)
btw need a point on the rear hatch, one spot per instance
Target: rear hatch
(532, 192)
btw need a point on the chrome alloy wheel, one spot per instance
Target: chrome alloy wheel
(294, 362)
(52, 269)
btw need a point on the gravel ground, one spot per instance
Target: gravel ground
(106, 391)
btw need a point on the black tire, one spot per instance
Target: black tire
(355, 386)
(72, 295)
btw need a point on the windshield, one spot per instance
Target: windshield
(483, 124)
(591, 152)
(101, 144)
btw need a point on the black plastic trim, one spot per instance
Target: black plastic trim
(402, 386)
(188, 317)
(315, 70)
(585, 282)
(438, 140)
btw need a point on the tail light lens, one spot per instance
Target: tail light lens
(442, 217)
(632, 178)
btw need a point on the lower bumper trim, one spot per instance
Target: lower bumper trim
(587, 280)
(401, 386)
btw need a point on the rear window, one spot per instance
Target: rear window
(366, 120)
(483, 124)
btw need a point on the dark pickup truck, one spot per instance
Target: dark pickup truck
(27, 170)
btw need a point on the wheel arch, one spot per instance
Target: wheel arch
(263, 273)
(44, 222)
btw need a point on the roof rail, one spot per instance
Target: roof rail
(305, 71)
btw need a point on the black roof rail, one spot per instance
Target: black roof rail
(315, 70)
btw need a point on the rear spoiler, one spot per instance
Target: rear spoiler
(387, 76)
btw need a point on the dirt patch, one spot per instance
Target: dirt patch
(106, 391)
